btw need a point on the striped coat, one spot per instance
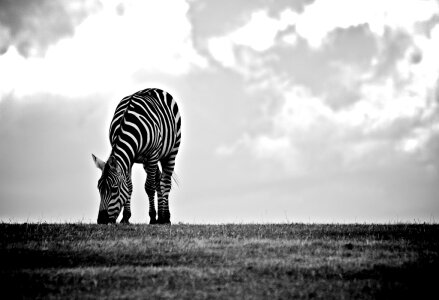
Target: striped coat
(146, 129)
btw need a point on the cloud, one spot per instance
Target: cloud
(392, 118)
(320, 17)
(315, 25)
(107, 51)
(258, 34)
(32, 26)
(366, 88)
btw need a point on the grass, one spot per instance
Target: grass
(272, 261)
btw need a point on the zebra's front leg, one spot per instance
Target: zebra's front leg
(127, 205)
(150, 187)
(165, 188)
(126, 212)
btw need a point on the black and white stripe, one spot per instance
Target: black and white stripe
(146, 129)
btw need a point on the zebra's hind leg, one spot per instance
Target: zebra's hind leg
(152, 171)
(158, 176)
(165, 187)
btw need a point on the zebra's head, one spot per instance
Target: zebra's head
(113, 187)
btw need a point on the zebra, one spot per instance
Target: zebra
(145, 129)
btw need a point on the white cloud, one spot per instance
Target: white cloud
(306, 131)
(258, 34)
(106, 50)
(316, 21)
(221, 48)
(321, 17)
(382, 103)
(305, 121)
(417, 140)
(406, 94)
(422, 74)
(300, 110)
(290, 39)
(269, 147)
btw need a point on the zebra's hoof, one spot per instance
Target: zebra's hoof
(153, 221)
(124, 221)
(164, 222)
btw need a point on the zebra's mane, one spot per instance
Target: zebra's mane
(120, 123)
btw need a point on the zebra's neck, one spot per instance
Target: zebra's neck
(123, 159)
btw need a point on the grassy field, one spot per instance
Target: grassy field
(273, 261)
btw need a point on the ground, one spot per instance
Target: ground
(241, 261)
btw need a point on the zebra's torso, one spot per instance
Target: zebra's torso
(146, 125)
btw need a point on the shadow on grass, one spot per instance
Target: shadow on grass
(33, 259)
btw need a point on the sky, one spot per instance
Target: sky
(292, 111)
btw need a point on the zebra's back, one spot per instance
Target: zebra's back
(146, 123)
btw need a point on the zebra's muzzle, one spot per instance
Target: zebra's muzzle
(103, 217)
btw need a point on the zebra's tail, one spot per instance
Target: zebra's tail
(175, 178)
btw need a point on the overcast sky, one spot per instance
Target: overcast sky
(292, 111)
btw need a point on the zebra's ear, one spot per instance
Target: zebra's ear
(99, 163)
